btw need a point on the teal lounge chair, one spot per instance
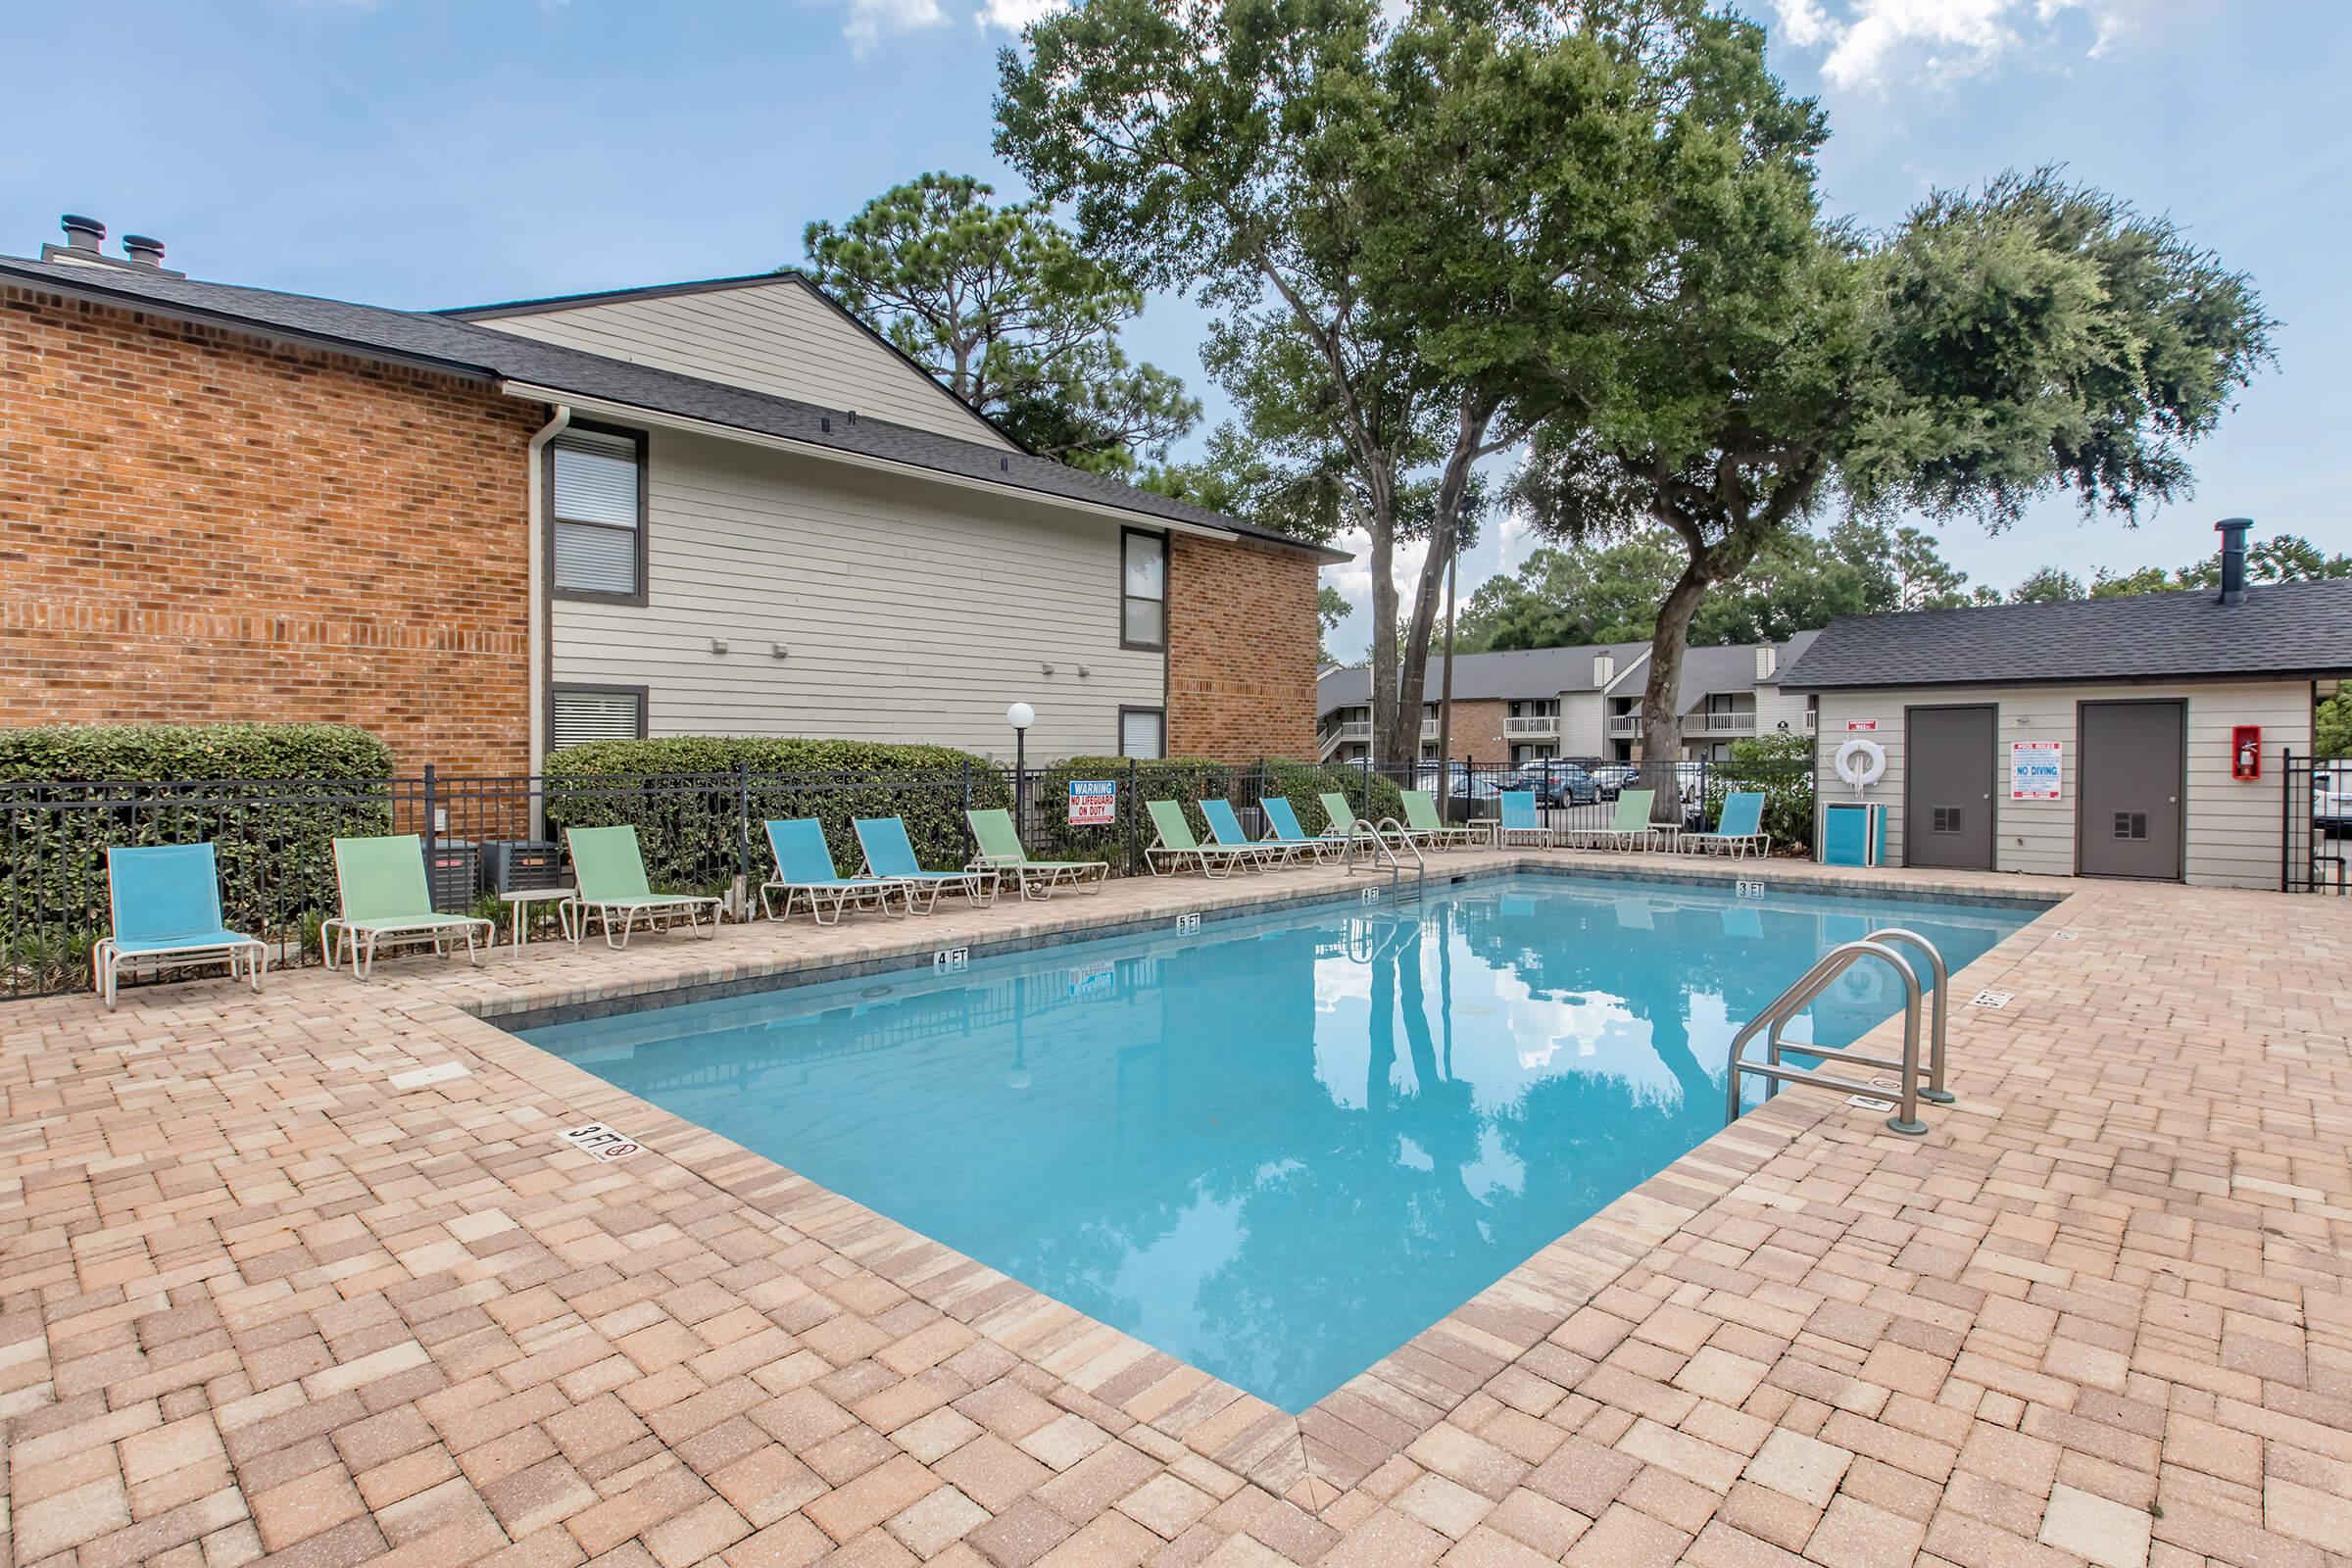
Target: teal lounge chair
(381, 882)
(1628, 828)
(1421, 822)
(1519, 823)
(165, 903)
(608, 878)
(890, 854)
(1285, 823)
(999, 850)
(1172, 840)
(805, 869)
(1226, 829)
(1740, 829)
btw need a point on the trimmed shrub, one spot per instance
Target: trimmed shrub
(1782, 767)
(270, 797)
(681, 792)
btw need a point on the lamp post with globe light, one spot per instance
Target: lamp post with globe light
(1020, 716)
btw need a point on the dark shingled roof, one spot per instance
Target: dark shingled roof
(2283, 629)
(446, 343)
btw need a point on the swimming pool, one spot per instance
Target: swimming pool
(1280, 1146)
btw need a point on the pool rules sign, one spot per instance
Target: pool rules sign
(1093, 803)
(2033, 770)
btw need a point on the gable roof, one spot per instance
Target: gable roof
(2287, 630)
(1518, 672)
(533, 369)
(557, 303)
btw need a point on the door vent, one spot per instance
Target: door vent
(2130, 824)
(1943, 819)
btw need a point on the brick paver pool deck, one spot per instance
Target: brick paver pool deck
(308, 1279)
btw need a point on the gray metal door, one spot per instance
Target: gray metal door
(2127, 817)
(1947, 787)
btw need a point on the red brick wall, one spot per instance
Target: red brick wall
(1241, 636)
(1476, 731)
(195, 528)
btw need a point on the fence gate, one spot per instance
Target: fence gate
(2314, 838)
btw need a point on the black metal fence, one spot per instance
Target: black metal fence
(2316, 826)
(701, 832)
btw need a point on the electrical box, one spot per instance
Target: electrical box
(2245, 751)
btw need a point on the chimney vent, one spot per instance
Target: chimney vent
(82, 233)
(2233, 558)
(1768, 659)
(143, 251)
(1604, 666)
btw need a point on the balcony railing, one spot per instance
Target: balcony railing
(1736, 724)
(1625, 726)
(1351, 729)
(1533, 724)
(1429, 729)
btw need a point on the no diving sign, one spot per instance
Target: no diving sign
(602, 1142)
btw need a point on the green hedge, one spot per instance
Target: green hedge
(270, 797)
(688, 827)
(1780, 765)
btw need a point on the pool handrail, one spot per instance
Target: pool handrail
(1815, 980)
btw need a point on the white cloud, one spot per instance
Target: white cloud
(1877, 44)
(872, 21)
(1014, 14)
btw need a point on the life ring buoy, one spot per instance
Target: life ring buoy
(1861, 763)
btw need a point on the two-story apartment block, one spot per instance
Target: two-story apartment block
(714, 508)
(1527, 705)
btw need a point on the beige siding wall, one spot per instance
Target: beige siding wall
(2233, 826)
(777, 338)
(1583, 730)
(909, 611)
(1774, 706)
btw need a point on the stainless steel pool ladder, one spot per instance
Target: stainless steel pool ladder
(1794, 1001)
(1383, 850)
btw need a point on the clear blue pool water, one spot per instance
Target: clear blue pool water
(1279, 1147)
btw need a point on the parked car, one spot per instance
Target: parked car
(1555, 783)
(2331, 799)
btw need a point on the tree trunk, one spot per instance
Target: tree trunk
(1661, 698)
(1383, 530)
(1445, 537)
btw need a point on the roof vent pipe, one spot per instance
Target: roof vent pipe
(143, 251)
(2233, 558)
(82, 233)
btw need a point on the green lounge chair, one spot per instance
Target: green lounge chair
(608, 878)
(1286, 831)
(1519, 822)
(1172, 840)
(890, 854)
(1629, 824)
(1226, 829)
(1343, 824)
(805, 869)
(1421, 821)
(381, 882)
(1001, 852)
(1738, 831)
(165, 904)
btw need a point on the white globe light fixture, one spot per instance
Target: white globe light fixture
(1020, 716)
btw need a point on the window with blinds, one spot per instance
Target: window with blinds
(1143, 733)
(585, 713)
(1143, 591)
(597, 499)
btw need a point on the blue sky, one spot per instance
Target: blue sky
(440, 152)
